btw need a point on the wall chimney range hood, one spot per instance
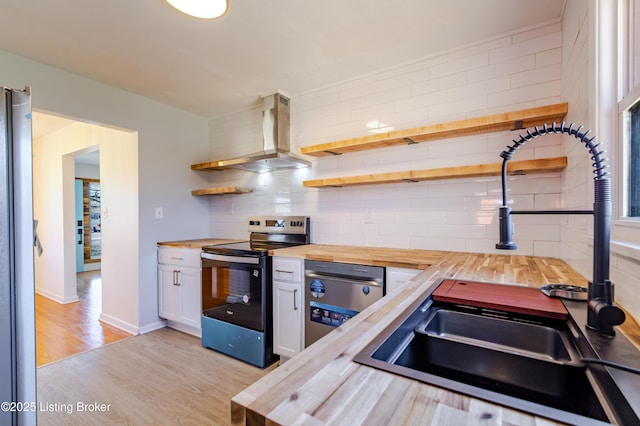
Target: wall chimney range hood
(275, 137)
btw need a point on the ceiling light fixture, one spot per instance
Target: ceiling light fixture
(205, 9)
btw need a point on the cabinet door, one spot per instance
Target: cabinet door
(397, 277)
(287, 318)
(168, 293)
(190, 304)
(286, 269)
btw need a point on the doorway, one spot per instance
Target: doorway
(60, 152)
(88, 211)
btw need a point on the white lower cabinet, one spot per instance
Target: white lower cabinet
(288, 306)
(397, 277)
(179, 280)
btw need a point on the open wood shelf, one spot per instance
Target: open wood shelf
(514, 120)
(543, 165)
(222, 191)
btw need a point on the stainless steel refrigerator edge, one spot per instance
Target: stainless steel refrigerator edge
(17, 297)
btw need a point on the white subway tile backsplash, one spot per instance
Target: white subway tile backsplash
(452, 111)
(546, 249)
(547, 201)
(421, 64)
(536, 232)
(421, 103)
(389, 95)
(372, 112)
(373, 240)
(627, 291)
(432, 203)
(552, 28)
(467, 188)
(479, 48)
(520, 94)
(438, 243)
(360, 90)
(539, 75)
(374, 78)
(457, 231)
(483, 87)
(506, 68)
(549, 57)
(509, 73)
(436, 84)
(405, 79)
(404, 230)
(454, 147)
(526, 47)
(476, 60)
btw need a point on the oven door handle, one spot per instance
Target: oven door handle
(230, 259)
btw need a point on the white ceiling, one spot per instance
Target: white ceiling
(260, 46)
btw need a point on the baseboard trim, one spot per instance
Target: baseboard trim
(153, 327)
(118, 323)
(56, 297)
(197, 332)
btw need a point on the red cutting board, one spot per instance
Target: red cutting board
(510, 298)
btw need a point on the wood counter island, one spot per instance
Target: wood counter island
(322, 384)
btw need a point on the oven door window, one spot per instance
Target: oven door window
(233, 293)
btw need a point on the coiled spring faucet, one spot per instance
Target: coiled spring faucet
(602, 313)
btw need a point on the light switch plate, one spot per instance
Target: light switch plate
(159, 212)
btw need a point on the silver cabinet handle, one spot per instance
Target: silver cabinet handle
(177, 258)
(295, 299)
(176, 278)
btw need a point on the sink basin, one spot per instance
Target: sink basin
(535, 357)
(520, 361)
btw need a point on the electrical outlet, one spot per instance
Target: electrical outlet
(159, 213)
(370, 215)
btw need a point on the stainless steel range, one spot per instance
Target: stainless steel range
(237, 290)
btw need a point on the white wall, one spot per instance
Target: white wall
(512, 72)
(87, 171)
(577, 185)
(588, 85)
(169, 141)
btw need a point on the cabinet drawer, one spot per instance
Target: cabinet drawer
(287, 269)
(179, 256)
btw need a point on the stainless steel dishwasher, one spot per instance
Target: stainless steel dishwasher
(335, 292)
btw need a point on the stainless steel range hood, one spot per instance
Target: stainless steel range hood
(275, 135)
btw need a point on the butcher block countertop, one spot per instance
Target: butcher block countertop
(375, 256)
(322, 385)
(199, 243)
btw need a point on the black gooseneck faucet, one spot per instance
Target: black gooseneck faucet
(602, 313)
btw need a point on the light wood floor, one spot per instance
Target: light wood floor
(63, 330)
(160, 378)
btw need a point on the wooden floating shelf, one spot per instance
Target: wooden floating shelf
(543, 165)
(514, 120)
(221, 191)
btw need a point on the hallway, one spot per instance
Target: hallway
(63, 330)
